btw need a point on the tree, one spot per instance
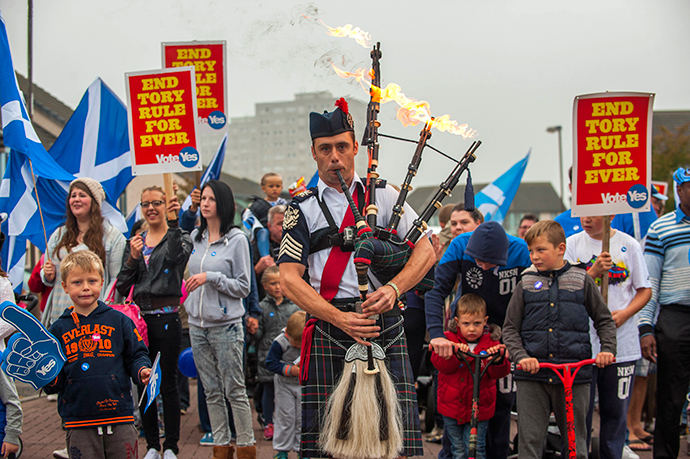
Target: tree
(670, 150)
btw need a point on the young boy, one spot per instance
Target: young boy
(283, 359)
(455, 383)
(629, 290)
(548, 320)
(276, 312)
(255, 217)
(103, 350)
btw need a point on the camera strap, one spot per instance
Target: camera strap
(325, 238)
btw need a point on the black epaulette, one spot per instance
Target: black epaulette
(381, 183)
(303, 196)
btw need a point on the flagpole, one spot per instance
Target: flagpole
(30, 54)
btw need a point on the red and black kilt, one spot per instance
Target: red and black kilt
(325, 368)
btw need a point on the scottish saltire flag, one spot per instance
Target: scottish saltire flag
(17, 193)
(314, 180)
(153, 388)
(14, 259)
(95, 143)
(494, 200)
(134, 216)
(212, 171)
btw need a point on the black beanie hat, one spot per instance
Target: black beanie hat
(489, 243)
(329, 124)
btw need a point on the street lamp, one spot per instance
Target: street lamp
(558, 129)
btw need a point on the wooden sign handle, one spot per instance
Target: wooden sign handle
(169, 193)
(605, 247)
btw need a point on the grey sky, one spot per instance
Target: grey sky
(509, 69)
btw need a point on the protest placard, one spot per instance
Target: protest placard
(162, 121)
(208, 60)
(612, 153)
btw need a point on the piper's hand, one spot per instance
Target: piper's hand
(602, 265)
(358, 326)
(382, 300)
(442, 347)
(136, 245)
(49, 269)
(145, 375)
(174, 205)
(530, 365)
(604, 358)
(648, 345)
(8, 448)
(252, 325)
(196, 281)
(196, 200)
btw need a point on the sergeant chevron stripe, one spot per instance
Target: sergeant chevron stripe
(289, 246)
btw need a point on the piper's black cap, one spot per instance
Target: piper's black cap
(328, 124)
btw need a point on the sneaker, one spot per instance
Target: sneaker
(435, 435)
(629, 454)
(60, 454)
(168, 454)
(207, 439)
(268, 432)
(53, 398)
(152, 454)
(281, 455)
(260, 420)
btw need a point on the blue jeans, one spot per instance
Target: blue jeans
(459, 436)
(218, 354)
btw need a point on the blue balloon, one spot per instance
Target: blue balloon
(33, 355)
(186, 363)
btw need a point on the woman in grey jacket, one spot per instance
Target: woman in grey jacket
(220, 266)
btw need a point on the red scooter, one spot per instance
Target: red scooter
(567, 377)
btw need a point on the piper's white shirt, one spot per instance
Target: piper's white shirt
(337, 204)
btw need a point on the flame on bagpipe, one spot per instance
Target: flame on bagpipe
(411, 112)
(347, 31)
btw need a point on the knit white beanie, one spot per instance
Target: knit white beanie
(94, 187)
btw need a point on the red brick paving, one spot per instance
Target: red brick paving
(43, 433)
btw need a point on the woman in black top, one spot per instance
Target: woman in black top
(154, 263)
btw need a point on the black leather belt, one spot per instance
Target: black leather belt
(350, 305)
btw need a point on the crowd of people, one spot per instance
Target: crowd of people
(283, 281)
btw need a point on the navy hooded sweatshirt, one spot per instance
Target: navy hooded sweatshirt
(488, 243)
(104, 350)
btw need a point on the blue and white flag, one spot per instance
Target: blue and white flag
(314, 180)
(153, 388)
(494, 200)
(134, 216)
(212, 172)
(98, 132)
(14, 259)
(95, 141)
(17, 192)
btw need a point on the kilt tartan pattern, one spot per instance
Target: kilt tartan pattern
(325, 368)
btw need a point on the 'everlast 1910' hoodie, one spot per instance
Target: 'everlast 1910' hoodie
(103, 351)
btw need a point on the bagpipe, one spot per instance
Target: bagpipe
(381, 251)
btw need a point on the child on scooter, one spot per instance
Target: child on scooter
(455, 381)
(548, 321)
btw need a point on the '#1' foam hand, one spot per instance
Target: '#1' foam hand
(33, 355)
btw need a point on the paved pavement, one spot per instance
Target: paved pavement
(43, 432)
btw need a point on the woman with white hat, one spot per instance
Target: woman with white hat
(84, 229)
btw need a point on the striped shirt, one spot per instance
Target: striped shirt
(667, 257)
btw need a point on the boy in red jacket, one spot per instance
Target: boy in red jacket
(455, 383)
